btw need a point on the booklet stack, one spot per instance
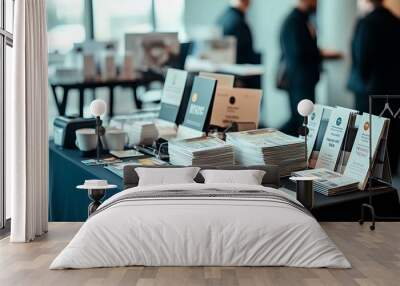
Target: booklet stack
(201, 151)
(329, 183)
(268, 146)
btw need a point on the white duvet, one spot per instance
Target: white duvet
(200, 231)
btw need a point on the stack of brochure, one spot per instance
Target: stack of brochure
(201, 151)
(329, 183)
(142, 133)
(268, 146)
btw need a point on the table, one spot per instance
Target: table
(347, 207)
(66, 171)
(67, 84)
(68, 204)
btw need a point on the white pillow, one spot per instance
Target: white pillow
(166, 176)
(247, 177)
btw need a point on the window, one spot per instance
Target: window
(65, 24)
(169, 15)
(6, 42)
(113, 19)
(72, 21)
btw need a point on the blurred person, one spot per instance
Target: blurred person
(233, 23)
(375, 53)
(302, 59)
(376, 65)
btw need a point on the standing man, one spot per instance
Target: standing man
(376, 65)
(375, 54)
(302, 59)
(233, 23)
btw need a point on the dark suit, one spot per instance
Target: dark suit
(376, 68)
(375, 56)
(303, 63)
(233, 23)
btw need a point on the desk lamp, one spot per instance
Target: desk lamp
(305, 108)
(98, 107)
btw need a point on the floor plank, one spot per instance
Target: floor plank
(375, 257)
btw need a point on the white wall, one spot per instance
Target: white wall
(203, 12)
(336, 26)
(265, 18)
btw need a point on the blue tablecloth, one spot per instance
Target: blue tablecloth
(66, 171)
(66, 203)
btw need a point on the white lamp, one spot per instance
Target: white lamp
(305, 108)
(98, 107)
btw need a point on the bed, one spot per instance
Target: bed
(198, 224)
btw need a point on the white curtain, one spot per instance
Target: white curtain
(26, 124)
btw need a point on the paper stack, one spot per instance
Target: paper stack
(142, 133)
(329, 183)
(201, 151)
(268, 146)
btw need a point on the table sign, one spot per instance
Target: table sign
(320, 134)
(236, 105)
(314, 121)
(199, 108)
(339, 121)
(172, 94)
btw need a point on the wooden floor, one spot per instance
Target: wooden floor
(375, 257)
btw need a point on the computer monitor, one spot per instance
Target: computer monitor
(153, 51)
(219, 51)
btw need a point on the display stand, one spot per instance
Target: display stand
(386, 174)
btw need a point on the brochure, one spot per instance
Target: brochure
(103, 161)
(199, 108)
(333, 139)
(127, 154)
(328, 182)
(314, 121)
(174, 87)
(326, 115)
(358, 163)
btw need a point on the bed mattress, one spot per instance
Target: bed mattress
(201, 225)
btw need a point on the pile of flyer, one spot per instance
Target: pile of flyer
(268, 146)
(329, 183)
(201, 151)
